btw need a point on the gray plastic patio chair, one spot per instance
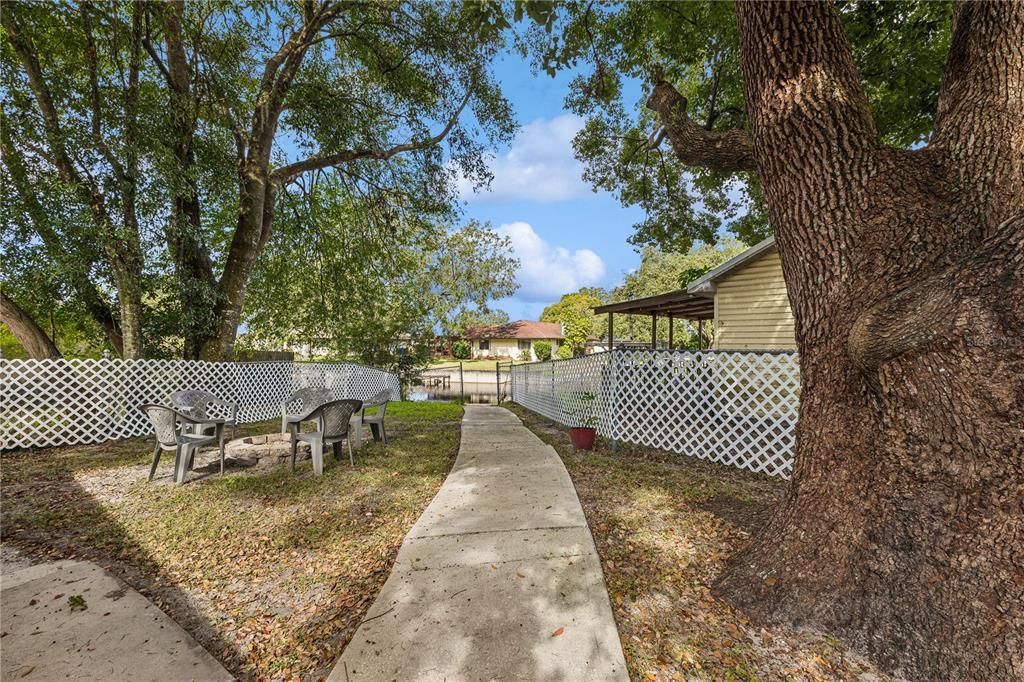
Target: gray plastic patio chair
(185, 445)
(376, 421)
(301, 403)
(196, 404)
(334, 419)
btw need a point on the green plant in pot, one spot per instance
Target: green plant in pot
(583, 431)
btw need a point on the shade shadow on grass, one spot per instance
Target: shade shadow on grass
(67, 522)
(665, 525)
(271, 571)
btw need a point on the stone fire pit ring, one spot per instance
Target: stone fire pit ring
(267, 450)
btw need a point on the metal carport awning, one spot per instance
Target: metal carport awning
(679, 304)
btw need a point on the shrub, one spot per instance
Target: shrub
(564, 352)
(542, 349)
(524, 355)
(461, 350)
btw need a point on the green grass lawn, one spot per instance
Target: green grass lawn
(270, 570)
(474, 365)
(664, 526)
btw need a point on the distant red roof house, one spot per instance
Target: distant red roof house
(514, 339)
(520, 329)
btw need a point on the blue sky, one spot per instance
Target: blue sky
(565, 235)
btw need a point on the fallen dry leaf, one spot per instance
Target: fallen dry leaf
(558, 632)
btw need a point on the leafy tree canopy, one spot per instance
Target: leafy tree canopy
(169, 137)
(899, 49)
(472, 266)
(575, 312)
(331, 278)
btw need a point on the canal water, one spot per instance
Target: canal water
(475, 392)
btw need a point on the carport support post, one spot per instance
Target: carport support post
(671, 327)
(611, 331)
(654, 331)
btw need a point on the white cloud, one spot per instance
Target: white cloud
(546, 271)
(539, 166)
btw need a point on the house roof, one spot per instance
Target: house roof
(706, 284)
(696, 301)
(680, 304)
(520, 329)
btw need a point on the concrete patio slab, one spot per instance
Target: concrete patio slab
(498, 579)
(111, 633)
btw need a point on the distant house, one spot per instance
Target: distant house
(751, 303)
(511, 339)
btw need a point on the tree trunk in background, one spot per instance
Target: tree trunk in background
(903, 530)
(197, 284)
(255, 221)
(129, 291)
(33, 339)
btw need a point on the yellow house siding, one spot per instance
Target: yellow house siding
(752, 308)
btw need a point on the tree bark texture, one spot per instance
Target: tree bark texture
(725, 150)
(197, 284)
(31, 337)
(903, 531)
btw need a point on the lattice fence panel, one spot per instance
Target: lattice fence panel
(736, 408)
(66, 402)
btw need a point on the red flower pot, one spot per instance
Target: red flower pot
(582, 437)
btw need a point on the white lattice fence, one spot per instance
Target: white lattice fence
(66, 402)
(736, 408)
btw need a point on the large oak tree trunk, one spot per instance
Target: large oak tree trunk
(255, 221)
(903, 530)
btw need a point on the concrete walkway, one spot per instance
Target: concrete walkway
(111, 633)
(498, 579)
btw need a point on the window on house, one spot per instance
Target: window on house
(485, 344)
(524, 345)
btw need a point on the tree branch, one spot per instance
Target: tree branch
(87, 189)
(31, 337)
(693, 144)
(75, 263)
(147, 43)
(286, 174)
(980, 112)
